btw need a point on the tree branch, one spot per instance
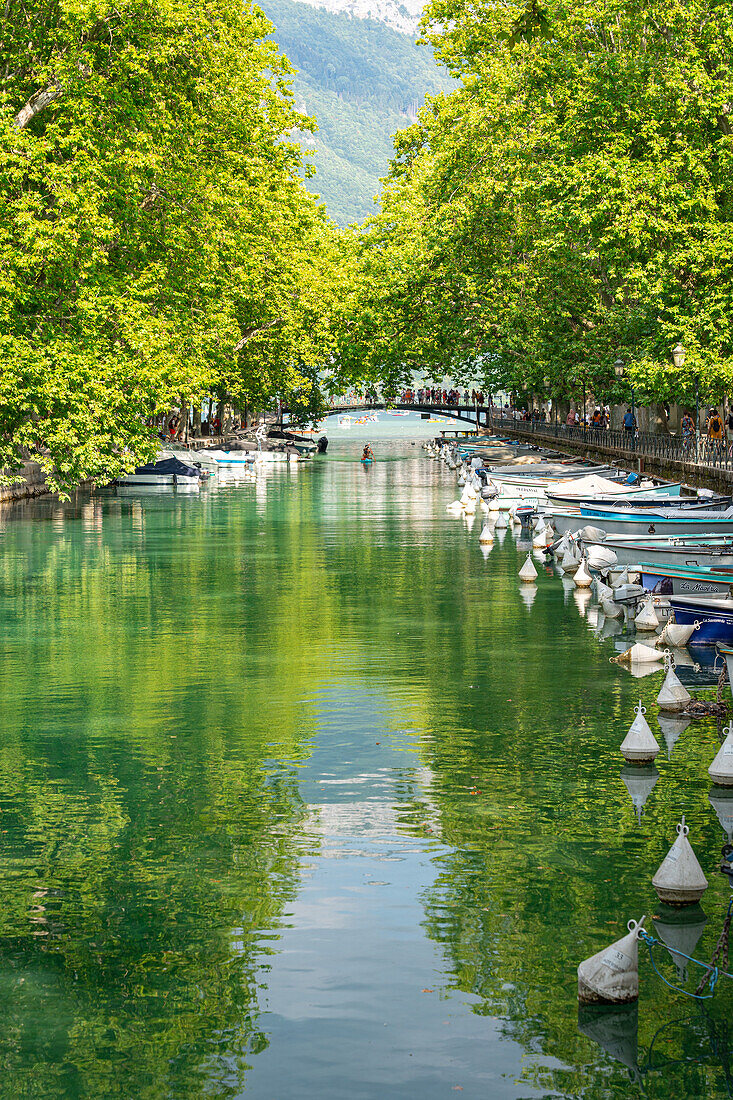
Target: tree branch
(250, 333)
(37, 103)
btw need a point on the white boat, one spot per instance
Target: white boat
(670, 522)
(531, 484)
(231, 459)
(690, 551)
(168, 473)
(201, 459)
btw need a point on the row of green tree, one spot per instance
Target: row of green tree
(157, 243)
(568, 204)
(571, 203)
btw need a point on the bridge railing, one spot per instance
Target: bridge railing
(703, 451)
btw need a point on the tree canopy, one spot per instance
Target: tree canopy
(569, 203)
(157, 242)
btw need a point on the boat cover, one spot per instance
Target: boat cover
(168, 466)
(593, 485)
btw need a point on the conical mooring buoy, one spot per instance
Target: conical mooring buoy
(673, 695)
(611, 976)
(639, 746)
(721, 769)
(528, 573)
(679, 879)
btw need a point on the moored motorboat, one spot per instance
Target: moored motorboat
(671, 580)
(167, 472)
(690, 550)
(672, 522)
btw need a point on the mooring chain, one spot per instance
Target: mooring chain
(721, 950)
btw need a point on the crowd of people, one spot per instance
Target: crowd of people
(430, 395)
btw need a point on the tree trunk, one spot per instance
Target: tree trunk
(617, 416)
(658, 420)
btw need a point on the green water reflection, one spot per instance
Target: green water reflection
(299, 798)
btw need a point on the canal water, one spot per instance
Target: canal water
(303, 797)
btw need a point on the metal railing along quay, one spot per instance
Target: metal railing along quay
(711, 454)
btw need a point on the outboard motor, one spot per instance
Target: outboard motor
(525, 514)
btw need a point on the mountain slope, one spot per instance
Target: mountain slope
(404, 16)
(362, 81)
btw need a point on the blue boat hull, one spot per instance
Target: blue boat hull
(715, 625)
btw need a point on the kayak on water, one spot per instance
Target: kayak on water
(366, 455)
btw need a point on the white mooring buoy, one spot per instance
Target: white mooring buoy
(638, 654)
(611, 609)
(676, 634)
(486, 537)
(582, 577)
(501, 521)
(569, 561)
(679, 879)
(673, 696)
(647, 618)
(603, 591)
(611, 976)
(639, 746)
(528, 573)
(721, 769)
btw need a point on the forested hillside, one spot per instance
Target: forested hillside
(363, 82)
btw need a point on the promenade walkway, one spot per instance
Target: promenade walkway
(690, 460)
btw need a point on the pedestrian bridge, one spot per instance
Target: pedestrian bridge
(475, 415)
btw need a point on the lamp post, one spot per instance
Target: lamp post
(678, 358)
(547, 383)
(619, 369)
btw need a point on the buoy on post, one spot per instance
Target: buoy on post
(639, 746)
(679, 879)
(611, 976)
